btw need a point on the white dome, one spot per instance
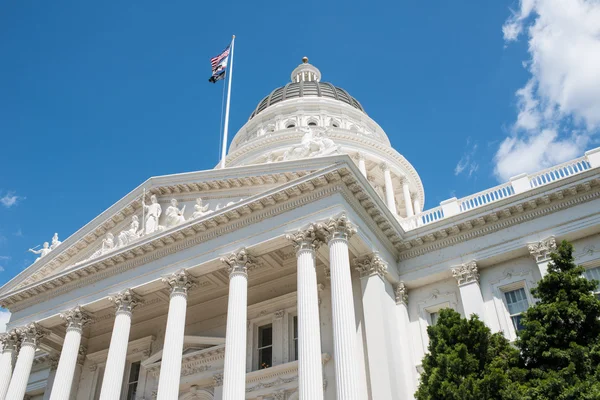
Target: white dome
(308, 118)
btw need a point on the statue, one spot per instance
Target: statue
(108, 244)
(174, 216)
(42, 252)
(310, 146)
(200, 210)
(130, 235)
(55, 242)
(153, 212)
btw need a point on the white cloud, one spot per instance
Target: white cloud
(10, 199)
(559, 107)
(4, 318)
(467, 164)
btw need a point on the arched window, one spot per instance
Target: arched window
(290, 125)
(312, 123)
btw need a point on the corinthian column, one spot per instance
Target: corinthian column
(76, 319)
(30, 337)
(234, 372)
(310, 371)
(337, 232)
(407, 365)
(10, 342)
(389, 188)
(170, 368)
(125, 302)
(540, 251)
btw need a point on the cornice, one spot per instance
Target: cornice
(473, 224)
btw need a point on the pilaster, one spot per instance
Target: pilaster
(408, 375)
(467, 277)
(540, 251)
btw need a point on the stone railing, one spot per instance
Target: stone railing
(517, 184)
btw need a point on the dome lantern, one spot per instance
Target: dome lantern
(306, 72)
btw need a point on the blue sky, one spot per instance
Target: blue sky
(95, 97)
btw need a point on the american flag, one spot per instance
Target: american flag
(219, 65)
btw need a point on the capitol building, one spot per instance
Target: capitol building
(305, 269)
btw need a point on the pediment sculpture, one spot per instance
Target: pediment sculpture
(174, 215)
(200, 209)
(153, 212)
(46, 248)
(311, 145)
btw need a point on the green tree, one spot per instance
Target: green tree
(560, 342)
(466, 361)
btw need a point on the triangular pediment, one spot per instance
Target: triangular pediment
(115, 228)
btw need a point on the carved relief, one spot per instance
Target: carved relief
(310, 146)
(200, 209)
(153, 212)
(401, 293)
(173, 215)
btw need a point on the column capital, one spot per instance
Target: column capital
(76, 318)
(10, 341)
(180, 282)
(403, 179)
(306, 239)
(53, 362)
(401, 293)
(384, 166)
(337, 228)
(31, 334)
(466, 273)
(541, 250)
(125, 301)
(371, 265)
(239, 262)
(217, 379)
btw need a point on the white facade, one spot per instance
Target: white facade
(305, 269)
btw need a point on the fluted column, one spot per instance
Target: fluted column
(76, 319)
(310, 371)
(170, 368)
(416, 204)
(540, 251)
(389, 188)
(362, 166)
(30, 337)
(234, 372)
(125, 302)
(407, 199)
(338, 231)
(10, 343)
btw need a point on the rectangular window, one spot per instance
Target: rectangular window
(295, 339)
(265, 346)
(134, 376)
(517, 303)
(594, 273)
(433, 316)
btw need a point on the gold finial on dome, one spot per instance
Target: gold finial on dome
(305, 59)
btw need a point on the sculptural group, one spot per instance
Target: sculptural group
(46, 248)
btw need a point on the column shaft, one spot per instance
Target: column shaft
(407, 200)
(6, 360)
(61, 389)
(389, 191)
(234, 373)
(112, 382)
(117, 357)
(18, 383)
(310, 371)
(344, 327)
(170, 369)
(362, 165)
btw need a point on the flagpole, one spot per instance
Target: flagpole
(230, 73)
